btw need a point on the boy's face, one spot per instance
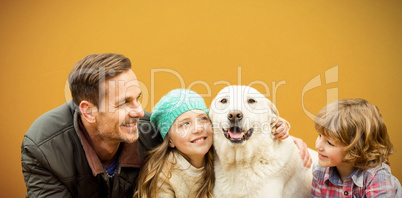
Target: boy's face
(330, 152)
(191, 133)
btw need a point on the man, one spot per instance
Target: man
(88, 147)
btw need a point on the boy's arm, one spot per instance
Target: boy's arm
(282, 132)
(315, 188)
(303, 151)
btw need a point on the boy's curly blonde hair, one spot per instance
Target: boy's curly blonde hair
(359, 126)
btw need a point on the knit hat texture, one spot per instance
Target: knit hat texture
(172, 105)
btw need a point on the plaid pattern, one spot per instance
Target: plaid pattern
(374, 182)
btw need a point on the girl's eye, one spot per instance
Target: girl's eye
(184, 124)
(330, 143)
(204, 118)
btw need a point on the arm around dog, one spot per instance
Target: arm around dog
(282, 129)
(282, 132)
(303, 151)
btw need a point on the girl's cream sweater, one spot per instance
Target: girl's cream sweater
(183, 181)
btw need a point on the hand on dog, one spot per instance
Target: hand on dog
(282, 129)
(303, 150)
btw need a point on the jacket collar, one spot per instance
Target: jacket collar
(129, 155)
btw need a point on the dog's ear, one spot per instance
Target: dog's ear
(274, 113)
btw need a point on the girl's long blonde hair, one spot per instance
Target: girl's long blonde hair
(157, 160)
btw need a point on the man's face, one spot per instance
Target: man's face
(119, 108)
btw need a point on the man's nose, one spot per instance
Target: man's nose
(136, 112)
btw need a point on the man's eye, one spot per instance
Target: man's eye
(122, 104)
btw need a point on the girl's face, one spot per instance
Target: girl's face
(330, 152)
(191, 133)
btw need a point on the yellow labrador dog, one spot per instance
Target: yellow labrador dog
(249, 161)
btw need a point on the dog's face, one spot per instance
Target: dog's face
(240, 114)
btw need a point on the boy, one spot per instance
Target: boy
(353, 148)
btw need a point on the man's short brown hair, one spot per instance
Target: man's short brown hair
(87, 74)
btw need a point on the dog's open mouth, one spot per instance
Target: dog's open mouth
(236, 134)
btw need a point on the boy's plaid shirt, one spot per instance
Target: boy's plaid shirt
(374, 182)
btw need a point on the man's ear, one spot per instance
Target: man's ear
(88, 111)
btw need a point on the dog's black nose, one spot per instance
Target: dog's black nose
(235, 116)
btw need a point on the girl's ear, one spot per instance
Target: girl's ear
(171, 144)
(88, 111)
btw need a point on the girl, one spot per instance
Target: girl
(182, 166)
(353, 148)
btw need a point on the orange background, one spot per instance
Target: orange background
(287, 43)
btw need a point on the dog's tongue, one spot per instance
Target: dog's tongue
(235, 135)
(236, 132)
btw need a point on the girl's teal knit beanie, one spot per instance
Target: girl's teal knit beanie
(172, 105)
